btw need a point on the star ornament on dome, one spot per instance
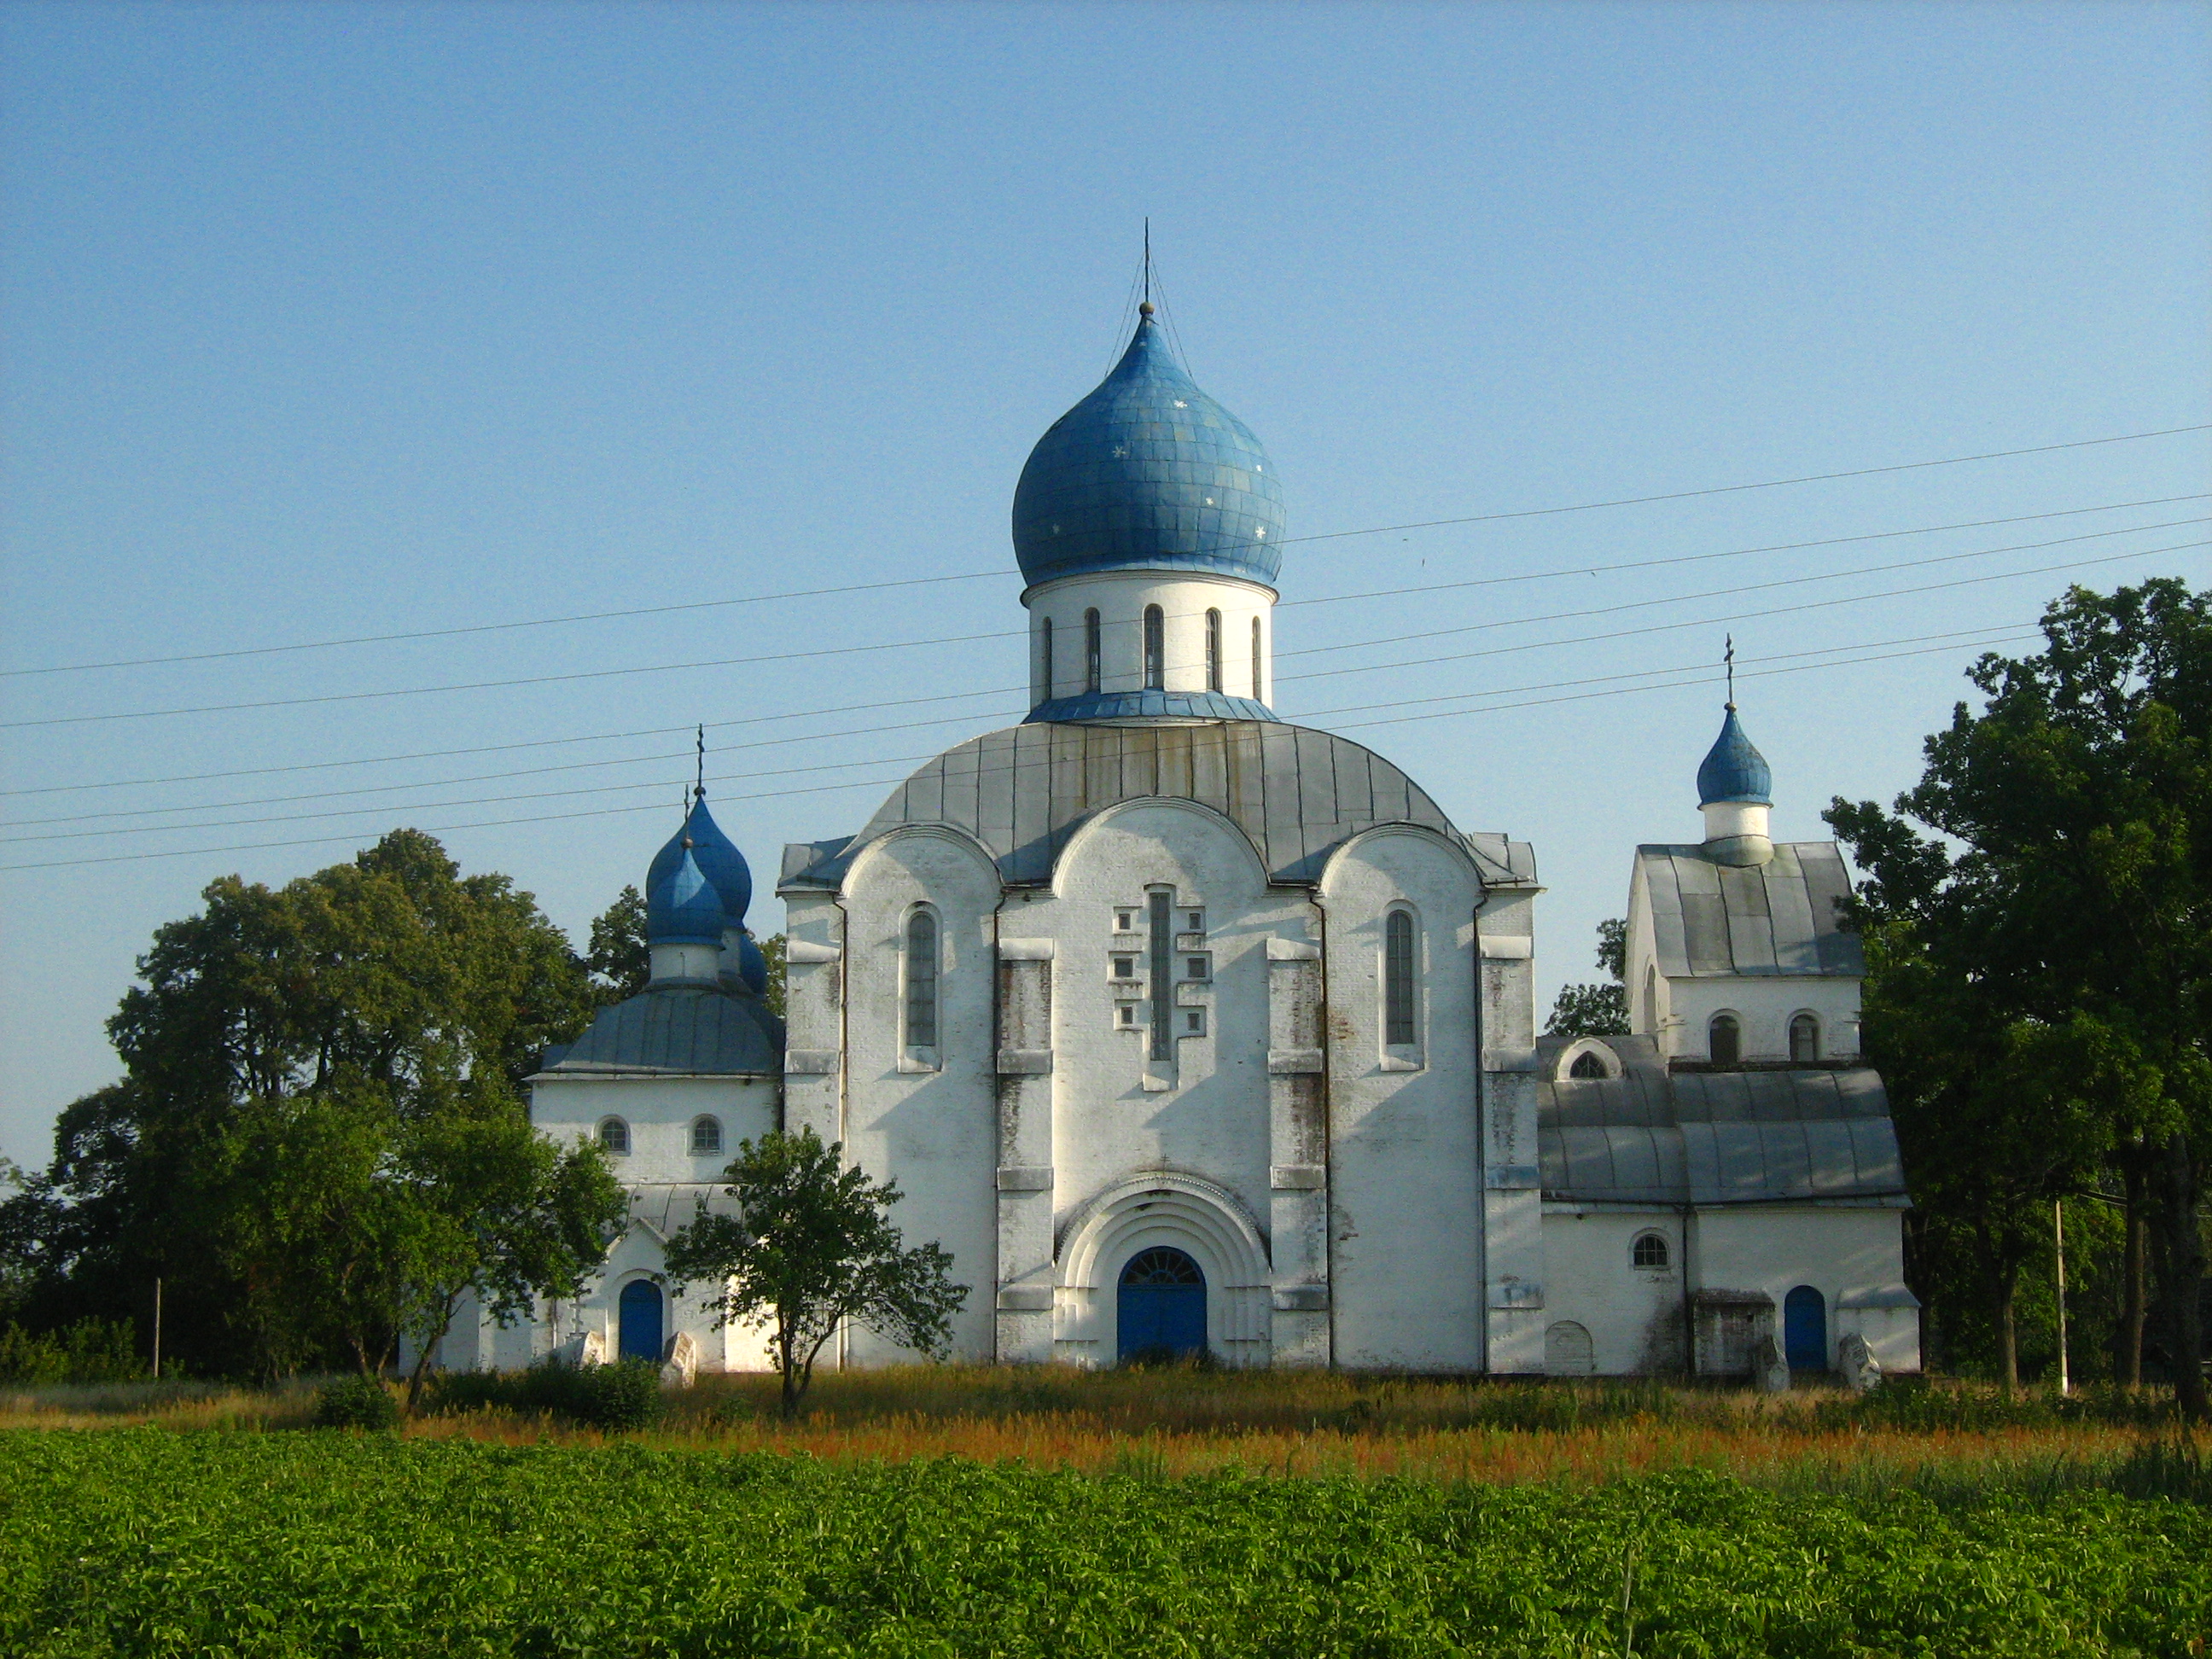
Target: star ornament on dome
(1120, 452)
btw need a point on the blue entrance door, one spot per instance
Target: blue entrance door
(641, 1321)
(1805, 1329)
(1161, 1309)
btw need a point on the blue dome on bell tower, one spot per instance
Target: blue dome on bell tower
(1733, 770)
(1148, 473)
(715, 853)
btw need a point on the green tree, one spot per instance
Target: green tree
(488, 1207)
(620, 960)
(1601, 1009)
(2040, 965)
(286, 1051)
(812, 1246)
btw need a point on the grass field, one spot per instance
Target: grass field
(947, 1512)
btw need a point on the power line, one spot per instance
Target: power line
(847, 589)
(1749, 587)
(574, 676)
(81, 819)
(831, 766)
(1703, 673)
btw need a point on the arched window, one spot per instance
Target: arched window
(1213, 651)
(1588, 1066)
(1091, 651)
(706, 1136)
(921, 980)
(614, 1135)
(1399, 1029)
(1804, 1040)
(1044, 655)
(1650, 1251)
(1258, 695)
(1725, 1040)
(1156, 650)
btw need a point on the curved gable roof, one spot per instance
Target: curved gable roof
(1783, 917)
(1023, 791)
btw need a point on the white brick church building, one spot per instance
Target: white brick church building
(1182, 1027)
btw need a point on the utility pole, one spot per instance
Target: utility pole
(157, 1327)
(2059, 1235)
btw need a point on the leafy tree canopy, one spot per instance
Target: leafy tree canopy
(321, 1126)
(2038, 913)
(1602, 1010)
(811, 1247)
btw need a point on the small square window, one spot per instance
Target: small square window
(1125, 921)
(1194, 1022)
(1194, 967)
(1194, 921)
(1125, 966)
(1128, 1013)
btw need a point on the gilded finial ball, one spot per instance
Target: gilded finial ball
(1145, 309)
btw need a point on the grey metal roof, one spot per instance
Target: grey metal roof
(1023, 791)
(1650, 1136)
(687, 1029)
(1781, 917)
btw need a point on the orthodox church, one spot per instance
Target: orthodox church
(1185, 1028)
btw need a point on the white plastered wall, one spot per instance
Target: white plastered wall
(930, 1124)
(1848, 1254)
(1119, 598)
(1406, 1165)
(1119, 1114)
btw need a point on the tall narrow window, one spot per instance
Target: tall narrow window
(1156, 650)
(1725, 1039)
(1044, 657)
(1258, 695)
(921, 980)
(1163, 965)
(1091, 651)
(1399, 1029)
(1804, 1040)
(1651, 997)
(1213, 651)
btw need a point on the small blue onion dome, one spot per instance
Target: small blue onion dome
(1148, 473)
(684, 908)
(1733, 770)
(752, 966)
(716, 855)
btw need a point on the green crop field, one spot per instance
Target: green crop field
(151, 1542)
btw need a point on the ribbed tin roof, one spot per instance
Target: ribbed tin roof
(1022, 791)
(1650, 1136)
(682, 1029)
(1780, 917)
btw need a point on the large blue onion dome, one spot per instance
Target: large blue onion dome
(683, 908)
(1148, 473)
(752, 966)
(716, 855)
(1732, 770)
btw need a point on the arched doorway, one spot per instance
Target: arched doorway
(1805, 1329)
(640, 1305)
(1160, 1311)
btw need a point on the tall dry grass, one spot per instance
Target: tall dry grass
(1174, 1423)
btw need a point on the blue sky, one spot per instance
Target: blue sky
(324, 321)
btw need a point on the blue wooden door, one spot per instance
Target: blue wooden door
(1805, 1329)
(641, 1321)
(1161, 1308)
